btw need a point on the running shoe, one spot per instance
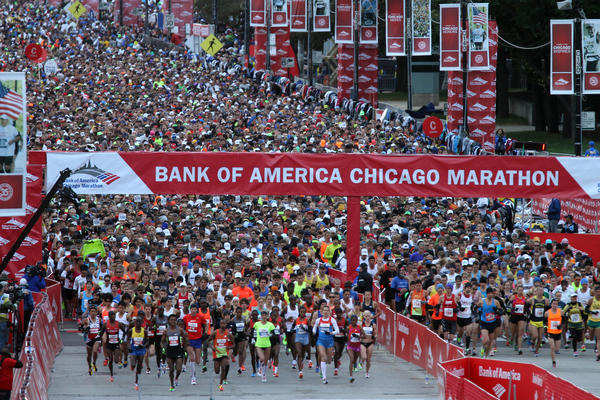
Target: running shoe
(239, 371)
(294, 364)
(359, 366)
(276, 374)
(120, 365)
(553, 364)
(537, 353)
(225, 382)
(482, 352)
(193, 380)
(148, 371)
(158, 374)
(367, 375)
(105, 363)
(335, 372)
(220, 388)
(253, 374)
(171, 389)
(125, 364)
(111, 379)
(325, 382)
(94, 368)
(90, 370)
(243, 368)
(183, 369)
(520, 352)
(352, 380)
(264, 379)
(204, 369)
(300, 375)
(232, 358)
(583, 347)
(137, 387)
(310, 364)
(575, 354)
(598, 357)
(557, 352)
(317, 369)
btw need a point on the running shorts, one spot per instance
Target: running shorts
(488, 326)
(594, 324)
(462, 322)
(555, 336)
(537, 324)
(303, 339)
(326, 342)
(449, 326)
(196, 343)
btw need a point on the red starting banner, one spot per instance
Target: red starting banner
(561, 56)
(326, 174)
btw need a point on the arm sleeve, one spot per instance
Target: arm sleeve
(336, 328)
(316, 326)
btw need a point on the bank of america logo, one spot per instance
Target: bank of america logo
(13, 224)
(92, 170)
(3, 241)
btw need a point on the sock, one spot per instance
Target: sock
(193, 369)
(468, 341)
(276, 369)
(324, 369)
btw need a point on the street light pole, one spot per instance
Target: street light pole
(268, 14)
(356, 7)
(577, 98)
(247, 33)
(309, 41)
(465, 74)
(409, 49)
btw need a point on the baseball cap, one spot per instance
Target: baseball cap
(439, 286)
(237, 275)
(364, 252)
(4, 116)
(584, 280)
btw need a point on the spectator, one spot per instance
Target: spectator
(570, 226)
(34, 279)
(553, 214)
(592, 151)
(28, 304)
(7, 364)
(5, 307)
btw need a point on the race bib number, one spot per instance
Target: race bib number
(519, 308)
(554, 325)
(416, 303)
(263, 333)
(448, 312)
(239, 326)
(193, 326)
(575, 318)
(113, 339)
(368, 330)
(161, 329)
(173, 340)
(355, 338)
(489, 317)
(539, 312)
(137, 341)
(276, 331)
(324, 327)
(93, 331)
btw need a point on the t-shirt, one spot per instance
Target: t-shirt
(193, 326)
(397, 284)
(263, 333)
(243, 293)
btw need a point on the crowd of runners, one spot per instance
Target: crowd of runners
(172, 283)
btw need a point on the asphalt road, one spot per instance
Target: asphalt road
(390, 379)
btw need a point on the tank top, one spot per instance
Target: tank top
(220, 343)
(372, 271)
(354, 335)
(488, 311)
(105, 311)
(448, 308)
(173, 338)
(341, 323)
(595, 310)
(554, 321)
(537, 310)
(368, 329)
(180, 299)
(94, 328)
(122, 320)
(112, 332)
(301, 327)
(518, 305)
(161, 325)
(149, 328)
(137, 338)
(84, 301)
(325, 327)
(368, 307)
(290, 316)
(322, 282)
(465, 302)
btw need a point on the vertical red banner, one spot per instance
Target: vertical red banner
(30, 251)
(298, 16)
(260, 48)
(421, 27)
(279, 13)
(394, 28)
(479, 57)
(344, 32)
(561, 57)
(368, 22)
(450, 49)
(258, 13)
(321, 16)
(590, 39)
(183, 14)
(345, 59)
(368, 77)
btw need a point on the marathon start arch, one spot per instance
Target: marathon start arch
(351, 175)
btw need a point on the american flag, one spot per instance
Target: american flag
(11, 103)
(479, 17)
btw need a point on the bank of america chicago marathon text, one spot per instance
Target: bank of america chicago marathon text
(378, 176)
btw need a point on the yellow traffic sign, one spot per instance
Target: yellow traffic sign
(211, 45)
(77, 9)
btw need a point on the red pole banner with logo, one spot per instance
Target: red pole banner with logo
(183, 14)
(13, 122)
(481, 97)
(344, 17)
(258, 13)
(368, 73)
(368, 21)
(561, 57)
(385, 327)
(590, 39)
(450, 38)
(345, 79)
(394, 28)
(421, 27)
(326, 174)
(279, 13)
(479, 59)
(298, 16)
(128, 6)
(260, 48)
(30, 251)
(321, 16)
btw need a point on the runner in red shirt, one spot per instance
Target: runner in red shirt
(6, 373)
(195, 325)
(448, 309)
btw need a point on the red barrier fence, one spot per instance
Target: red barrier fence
(459, 378)
(53, 289)
(587, 243)
(42, 344)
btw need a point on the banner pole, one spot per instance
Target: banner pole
(356, 20)
(465, 75)
(268, 15)
(578, 97)
(309, 4)
(409, 48)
